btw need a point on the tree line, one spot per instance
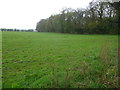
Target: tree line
(98, 18)
(17, 30)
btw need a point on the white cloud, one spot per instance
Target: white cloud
(24, 14)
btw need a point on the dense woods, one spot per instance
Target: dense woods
(98, 18)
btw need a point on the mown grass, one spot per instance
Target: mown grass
(53, 60)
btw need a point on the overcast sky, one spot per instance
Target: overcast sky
(24, 14)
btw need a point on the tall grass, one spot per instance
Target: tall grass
(108, 70)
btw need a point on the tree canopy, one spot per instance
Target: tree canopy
(98, 18)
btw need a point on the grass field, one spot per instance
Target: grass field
(51, 60)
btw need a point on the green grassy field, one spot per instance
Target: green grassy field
(38, 60)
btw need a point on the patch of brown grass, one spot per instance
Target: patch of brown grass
(108, 75)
